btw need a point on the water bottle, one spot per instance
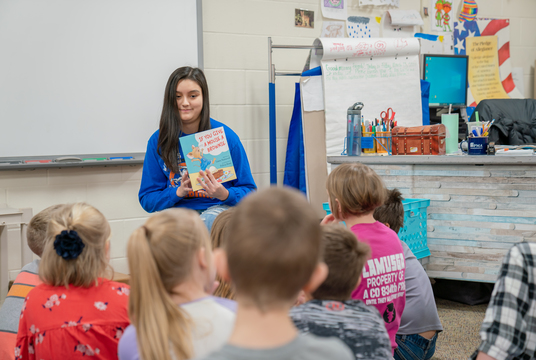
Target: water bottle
(353, 136)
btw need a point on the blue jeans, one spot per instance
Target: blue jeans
(414, 347)
(209, 215)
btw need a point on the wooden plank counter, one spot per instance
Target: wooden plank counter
(480, 206)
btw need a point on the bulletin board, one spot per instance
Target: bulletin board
(88, 77)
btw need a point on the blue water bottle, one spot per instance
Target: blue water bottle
(353, 136)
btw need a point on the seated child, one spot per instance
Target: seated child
(219, 226)
(273, 253)
(420, 324)
(172, 274)
(27, 279)
(355, 190)
(332, 312)
(74, 312)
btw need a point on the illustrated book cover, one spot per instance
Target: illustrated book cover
(208, 150)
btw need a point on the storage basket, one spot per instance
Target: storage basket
(413, 233)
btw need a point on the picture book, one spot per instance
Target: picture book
(208, 150)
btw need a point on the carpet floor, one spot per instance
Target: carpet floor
(461, 326)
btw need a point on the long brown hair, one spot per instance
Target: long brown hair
(160, 255)
(94, 231)
(170, 120)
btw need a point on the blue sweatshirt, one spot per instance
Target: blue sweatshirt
(158, 190)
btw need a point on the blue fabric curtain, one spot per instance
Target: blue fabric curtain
(425, 95)
(295, 161)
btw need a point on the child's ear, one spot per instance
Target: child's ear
(317, 278)
(339, 208)
(202, 258)
(387, 224)
(222, 268)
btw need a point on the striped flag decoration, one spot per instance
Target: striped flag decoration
(489, 27)
(469, 10)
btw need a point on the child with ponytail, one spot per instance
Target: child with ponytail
(172, 274)
(75, 312)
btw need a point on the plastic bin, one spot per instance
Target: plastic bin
(413, 233)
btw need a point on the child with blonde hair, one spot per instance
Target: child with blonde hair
(26, 280)
(355, 191)
(219, 228)
(75, 312)
(172, 274)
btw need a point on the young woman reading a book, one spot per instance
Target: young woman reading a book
(165, 182)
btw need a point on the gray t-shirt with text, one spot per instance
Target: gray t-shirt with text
(304, 347)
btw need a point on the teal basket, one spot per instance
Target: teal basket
(413, 233)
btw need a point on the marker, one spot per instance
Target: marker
(10, 162)
(122, 158)
(94, 159)
(38, 161)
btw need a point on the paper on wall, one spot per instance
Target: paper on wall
(363, 27)
(333, 29)
(381, 73)
(443, 15)
(379, 2)
(483, 72)
(334, 9)
(395, 31)
(436, 44)
(312, 94)
(405, 17)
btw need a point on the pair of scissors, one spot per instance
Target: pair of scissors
(388, 115)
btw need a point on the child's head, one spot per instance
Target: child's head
(37, 229)
(354, 190)
(345, 257)
(219, 228)
(170, 249)
(76, 249)
(391, 213)
(273, 249)
(171, 120)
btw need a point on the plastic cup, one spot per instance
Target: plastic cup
(451, 123)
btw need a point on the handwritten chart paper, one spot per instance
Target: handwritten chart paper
(334, 9)
(381, 73)
(484, 79)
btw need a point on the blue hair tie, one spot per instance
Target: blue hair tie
(68, 244)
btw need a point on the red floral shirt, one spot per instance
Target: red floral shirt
(61, 323)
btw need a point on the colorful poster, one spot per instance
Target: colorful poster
(334, 9)
(362, 27)
(483, 72)
(208, 150)
(443, 15)
(333, 29)
(489, 27)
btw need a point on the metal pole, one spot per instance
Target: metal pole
(273, 136)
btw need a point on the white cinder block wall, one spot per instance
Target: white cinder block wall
(236, 61)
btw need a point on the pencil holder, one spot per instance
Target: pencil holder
(383, 141)
(369, 147)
